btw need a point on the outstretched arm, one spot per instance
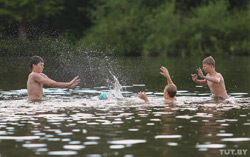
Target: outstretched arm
(42, 78)
(164, 72)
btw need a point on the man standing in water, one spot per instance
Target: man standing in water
(37, 79)
(214, 80)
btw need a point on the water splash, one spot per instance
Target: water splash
(115, 88)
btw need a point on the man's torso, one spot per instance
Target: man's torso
(34, 88)
(218, 89)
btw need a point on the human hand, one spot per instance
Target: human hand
(164, 72)
(143, 96)
(194, 77)
(74, 82)
(200, 73)
(73, 85)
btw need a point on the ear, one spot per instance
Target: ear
(33, 65)
(165, 93)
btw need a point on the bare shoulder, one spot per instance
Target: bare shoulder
(35, 76)
(32, 77)
(43, 75)
(169, 101)
(219, 75)
(32, 74)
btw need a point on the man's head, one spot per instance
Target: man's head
(36, 62)
(170, 90)
(208, 64)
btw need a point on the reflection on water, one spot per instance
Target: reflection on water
(77, 122)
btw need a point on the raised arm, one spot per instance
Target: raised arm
(42, 78)
(143, 96)
(164, 72)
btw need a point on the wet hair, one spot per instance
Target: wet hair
(171, 89)
(35, 60)
(209, 60)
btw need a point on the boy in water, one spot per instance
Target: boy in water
(214, 80)
(169, 90)
(37, 79)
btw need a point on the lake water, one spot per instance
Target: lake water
(75, 122)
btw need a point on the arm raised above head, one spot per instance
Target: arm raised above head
(164, 72)
(42, 78)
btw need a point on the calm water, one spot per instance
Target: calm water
(76, 122)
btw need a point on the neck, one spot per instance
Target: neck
(35, 71)
(169, 98)
(212, 72)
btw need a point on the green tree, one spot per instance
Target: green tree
(163, 33)
(22, 11)
(74, 19)
(121, 24)
(215, 29)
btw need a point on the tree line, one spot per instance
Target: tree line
(125, 27)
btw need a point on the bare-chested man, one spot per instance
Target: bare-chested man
(37, 79)
(214, 80)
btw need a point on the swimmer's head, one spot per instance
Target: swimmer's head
(208, 64)
(170, 90)
(35, 60)
(209, 61)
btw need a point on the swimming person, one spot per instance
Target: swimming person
(37, 79)
(214, 80)
(169, 90)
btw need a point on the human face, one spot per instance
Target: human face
(39, 67)
(207, 68)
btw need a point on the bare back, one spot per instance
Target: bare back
(35, 88)
(218, 89)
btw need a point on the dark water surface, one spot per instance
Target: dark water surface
(75, 122)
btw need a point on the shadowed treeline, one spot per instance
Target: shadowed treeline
(125, 27)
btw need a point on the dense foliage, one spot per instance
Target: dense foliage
(126, 27)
